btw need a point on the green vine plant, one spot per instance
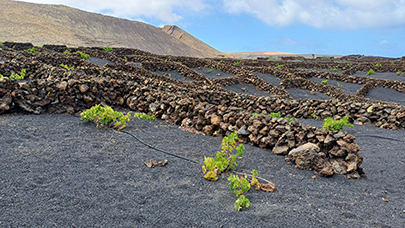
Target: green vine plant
(336, 125)
(16, 76)
(324, 82)
(67, 67)
(237, 63)
(241, 185)
(67, 52)
(83, 55)
(225, 161)
(107, 49)
(278, 66)
(110, 118)
(32, 50)
(370, 72)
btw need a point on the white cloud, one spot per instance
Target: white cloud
(324, 14)
(164, 10)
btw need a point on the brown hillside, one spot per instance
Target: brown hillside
(190, 40)
(57, 24)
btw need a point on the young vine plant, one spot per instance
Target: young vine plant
(110, 118)
(224, 161)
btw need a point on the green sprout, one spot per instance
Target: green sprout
(67, 67)
(378, 65)
(335, 69)
(278, 66)
(371, 71)
(340, 85)
(324, 82)
(392, 63)
(209, 71)
(399, 73)
(336, 125)
(107, 49)
(67, 52)
(32, 50)
(237, 63)
(125, 59)
(83, 55)
(1, 44)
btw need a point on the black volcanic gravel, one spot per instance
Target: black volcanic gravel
(59, 171)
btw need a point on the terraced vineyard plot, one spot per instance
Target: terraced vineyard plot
(392, 76)
(269, 78)
(246, 89)
(307, 95)
(212, 73)
(348, 88)
(175, 75)
(388, 95)
(98, 61)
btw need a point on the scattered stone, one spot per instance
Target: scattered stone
(154, 163)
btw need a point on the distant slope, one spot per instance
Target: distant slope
(57, 24)
(190, 40)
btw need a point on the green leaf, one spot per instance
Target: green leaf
(254, 172)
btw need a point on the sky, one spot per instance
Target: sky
(329, 27)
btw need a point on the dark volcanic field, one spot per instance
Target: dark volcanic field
(57, 170)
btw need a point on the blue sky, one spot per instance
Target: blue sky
(331, 27)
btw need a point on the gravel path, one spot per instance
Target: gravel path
(57, 170)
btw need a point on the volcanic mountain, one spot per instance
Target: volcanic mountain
(57, 24)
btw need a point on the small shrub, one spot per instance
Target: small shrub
(33, 50)
(67, 67)
(105, 115)
(17, 76)
(224, 160)
(107, 49)
(110, 118)
(336, 125)
(324, 82)
(313, 115)
(370, 72)
(83, 55)
(67, 52)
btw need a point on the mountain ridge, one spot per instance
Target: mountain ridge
(58, 24)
